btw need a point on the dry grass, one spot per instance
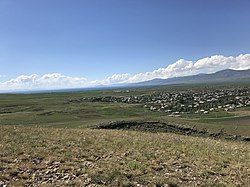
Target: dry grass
(32, 156)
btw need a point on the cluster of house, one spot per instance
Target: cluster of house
(201, 102)
(190, 101)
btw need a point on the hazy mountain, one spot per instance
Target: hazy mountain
(226, 75)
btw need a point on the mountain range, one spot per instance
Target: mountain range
(224, 76)
(227, 75)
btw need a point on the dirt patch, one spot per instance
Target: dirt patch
(167, 127)
(239, 122)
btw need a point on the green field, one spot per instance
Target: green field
(51, 110)
(54, 110)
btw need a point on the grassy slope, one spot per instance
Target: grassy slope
(78, 157)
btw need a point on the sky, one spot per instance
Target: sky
(48, 44)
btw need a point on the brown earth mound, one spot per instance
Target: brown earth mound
(157, 126)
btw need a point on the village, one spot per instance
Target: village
(185, 102)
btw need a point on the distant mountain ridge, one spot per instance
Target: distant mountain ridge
(227, 75)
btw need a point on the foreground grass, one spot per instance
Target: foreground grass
(32, 156)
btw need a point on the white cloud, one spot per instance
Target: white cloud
(114, 79)
(47, 81)
(205, 65)
(179, 68)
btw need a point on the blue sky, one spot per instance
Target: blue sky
(95, 39)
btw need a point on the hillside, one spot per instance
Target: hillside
(226, 75)
(32, 156)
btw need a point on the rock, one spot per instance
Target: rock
(2, 184)
(246, 139)
(47, 172)
(87, 181)
(56, 163)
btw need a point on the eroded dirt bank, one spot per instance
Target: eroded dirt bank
(158, 126)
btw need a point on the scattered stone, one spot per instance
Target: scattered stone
(87, 181)
(2, 184)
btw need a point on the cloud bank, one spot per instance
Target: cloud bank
(184, 68)
(205, 65)
(179, 68)
(47, 81)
